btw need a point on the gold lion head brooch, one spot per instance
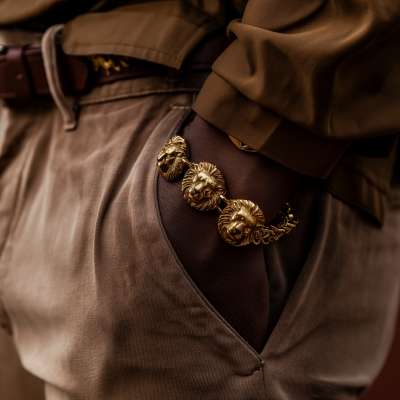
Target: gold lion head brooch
(241, 221)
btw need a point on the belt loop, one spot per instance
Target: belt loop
(50, 65)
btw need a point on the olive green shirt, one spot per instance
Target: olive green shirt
(300, 81)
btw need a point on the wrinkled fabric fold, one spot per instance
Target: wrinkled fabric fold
(299, 82)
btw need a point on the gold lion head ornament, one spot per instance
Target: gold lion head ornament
(169, 160)
(202, 186)
(240, 222)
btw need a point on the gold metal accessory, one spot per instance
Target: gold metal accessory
(202, 186)
(241, 146)
(170, 160)
(109, 62)
(241, 221)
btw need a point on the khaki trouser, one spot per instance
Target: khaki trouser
(99, 306)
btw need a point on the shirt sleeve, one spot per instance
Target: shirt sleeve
(301, 80)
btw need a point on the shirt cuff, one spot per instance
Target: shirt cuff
(275, 137)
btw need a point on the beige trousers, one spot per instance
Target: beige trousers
(98, 305)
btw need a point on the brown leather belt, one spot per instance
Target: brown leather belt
(23, 77)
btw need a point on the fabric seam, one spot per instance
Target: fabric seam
(180, 266)
(127, 45)
(5, 252)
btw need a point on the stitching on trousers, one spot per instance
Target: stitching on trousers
(179, 107)
(196, 290)
(129, 94)
(84, 45)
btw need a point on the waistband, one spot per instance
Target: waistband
(23, 77)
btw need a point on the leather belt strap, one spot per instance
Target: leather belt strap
(23, 78)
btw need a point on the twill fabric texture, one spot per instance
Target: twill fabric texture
(100, 307)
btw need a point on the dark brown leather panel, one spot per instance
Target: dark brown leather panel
(22, 74)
